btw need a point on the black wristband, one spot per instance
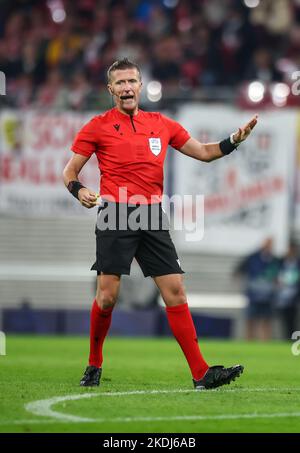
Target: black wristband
(74, 187)
(227, 147)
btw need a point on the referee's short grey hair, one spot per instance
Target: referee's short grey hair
(122, 64)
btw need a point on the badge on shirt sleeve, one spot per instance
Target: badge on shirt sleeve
(155, 145)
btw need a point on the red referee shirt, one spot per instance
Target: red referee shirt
(130, 152)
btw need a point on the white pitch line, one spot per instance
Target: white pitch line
(44, 407)
(155, 419)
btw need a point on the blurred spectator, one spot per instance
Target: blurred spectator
(276, 16)
(236, 44)
(289, 61)
(159, 25)
(262, 67)
(66, 44)
(33, 62)
(53, 94)
(78, 91)
(260, 270)
(21, 320)
(11, 46)
(288, 292)
(166, 66)
(21, 92)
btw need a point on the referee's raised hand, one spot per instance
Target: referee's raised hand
(245, 131)
(87, 197)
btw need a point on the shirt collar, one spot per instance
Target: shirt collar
(122, 115)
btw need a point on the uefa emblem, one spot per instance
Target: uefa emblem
(155, 145)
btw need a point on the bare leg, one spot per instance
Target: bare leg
(108, 286)
(172, 289)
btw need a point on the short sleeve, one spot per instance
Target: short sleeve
(178, 135)
(85, 142)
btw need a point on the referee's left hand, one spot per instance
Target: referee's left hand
(245, 131)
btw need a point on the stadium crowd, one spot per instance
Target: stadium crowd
(54, 53)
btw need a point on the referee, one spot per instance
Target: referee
(131, 146)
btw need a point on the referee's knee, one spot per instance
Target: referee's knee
(174, 301)
(105, 300)
(175, 296)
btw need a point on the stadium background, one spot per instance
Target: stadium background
(208, 64)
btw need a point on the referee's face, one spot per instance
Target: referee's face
(125, 85)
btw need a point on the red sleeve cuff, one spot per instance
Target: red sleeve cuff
(77, 150)
(180, 140)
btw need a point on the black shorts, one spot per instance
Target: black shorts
(147, 241)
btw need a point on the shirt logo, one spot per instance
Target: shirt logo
(117, 126)
(155, 145)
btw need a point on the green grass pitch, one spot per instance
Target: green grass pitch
(146, 387)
